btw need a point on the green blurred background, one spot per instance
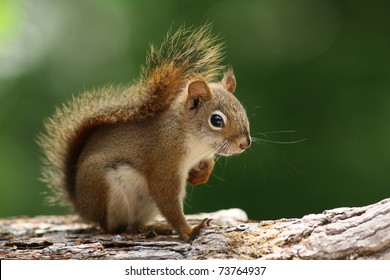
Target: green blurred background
(320, 68)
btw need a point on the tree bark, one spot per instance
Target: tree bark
(342, 233)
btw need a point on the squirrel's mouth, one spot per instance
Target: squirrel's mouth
(227, 150)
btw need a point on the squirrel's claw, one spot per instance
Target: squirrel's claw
(196, 230)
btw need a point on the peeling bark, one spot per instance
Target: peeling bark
(342, 233)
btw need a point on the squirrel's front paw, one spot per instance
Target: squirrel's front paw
(200, 174)
(196, 230)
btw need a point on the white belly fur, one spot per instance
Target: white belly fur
(129, 201)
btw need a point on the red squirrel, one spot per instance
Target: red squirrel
(120, 155)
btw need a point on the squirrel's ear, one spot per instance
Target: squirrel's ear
(198, 90)
(229, 81)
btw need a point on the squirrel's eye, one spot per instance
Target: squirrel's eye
(217, 120)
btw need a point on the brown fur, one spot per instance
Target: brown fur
(183, 55)
(118, 154)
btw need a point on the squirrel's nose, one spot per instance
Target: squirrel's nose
(246, 142)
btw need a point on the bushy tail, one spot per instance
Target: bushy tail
(187, 53)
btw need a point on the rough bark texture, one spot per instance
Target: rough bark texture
(343, 233)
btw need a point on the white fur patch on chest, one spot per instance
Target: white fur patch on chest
(197, 150)
(129, 202)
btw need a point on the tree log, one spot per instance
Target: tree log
(342, 233)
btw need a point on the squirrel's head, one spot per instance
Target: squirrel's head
(218, 117)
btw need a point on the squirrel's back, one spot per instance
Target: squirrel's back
(183, 55)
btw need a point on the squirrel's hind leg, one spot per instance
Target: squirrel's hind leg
(113, 195)
(129, 202)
